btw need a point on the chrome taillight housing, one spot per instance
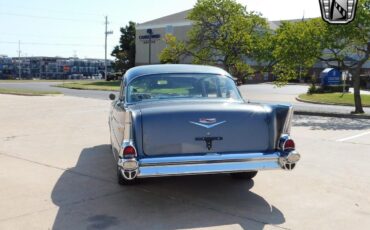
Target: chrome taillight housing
(129, 151)
(286, 143)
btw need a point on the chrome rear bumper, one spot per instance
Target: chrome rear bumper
(209, 164)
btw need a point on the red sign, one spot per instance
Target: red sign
(66, 68)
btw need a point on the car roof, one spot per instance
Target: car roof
(171, 68)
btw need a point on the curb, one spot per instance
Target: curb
(337, 115)
(328, 114)
(290, 83)
(321, 103)
(77, 88)
(33, 95)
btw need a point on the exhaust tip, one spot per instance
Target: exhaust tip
(293, 157)
(129, 175)
(289, 161)
(129, 168)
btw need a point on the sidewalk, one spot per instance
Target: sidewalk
(364, 92)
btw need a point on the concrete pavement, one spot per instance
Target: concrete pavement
(57, 172)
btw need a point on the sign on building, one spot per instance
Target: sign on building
(146, 38)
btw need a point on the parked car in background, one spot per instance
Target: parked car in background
(114, 76)
(76, 76)
(173, 120)
(96, 76)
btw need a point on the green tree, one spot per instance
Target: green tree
(297, 48)
(124, 53)
(224, 33)
(174, 51)
(348, 47)
(262, 50)
(300, 45)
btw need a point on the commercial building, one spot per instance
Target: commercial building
(50, 67)
(6, 65)
(150, 42)
(175, 24)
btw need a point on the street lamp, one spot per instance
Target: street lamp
(150, 32)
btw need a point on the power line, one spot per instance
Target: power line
(52, 44)
(50, 18)
(48, 35)
(52, 10)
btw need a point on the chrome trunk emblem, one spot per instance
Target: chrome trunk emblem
(207, 122)
(338, 11)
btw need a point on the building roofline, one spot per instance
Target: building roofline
(175, 18)
(179, 19)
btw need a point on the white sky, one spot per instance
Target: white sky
(68, 27)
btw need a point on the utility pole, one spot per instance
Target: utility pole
(19, 61)
(150, 32)
(106, 36)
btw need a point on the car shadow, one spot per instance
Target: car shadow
(88, 197)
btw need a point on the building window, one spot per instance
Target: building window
(169, 29)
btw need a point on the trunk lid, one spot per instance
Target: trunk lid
(173, 129)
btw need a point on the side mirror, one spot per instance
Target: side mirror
(112, 96)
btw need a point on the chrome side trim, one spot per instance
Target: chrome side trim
(288, 121)
(127, 135)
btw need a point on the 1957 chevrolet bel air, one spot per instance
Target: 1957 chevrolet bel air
(173, 120)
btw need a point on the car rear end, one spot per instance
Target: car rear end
(192, 138)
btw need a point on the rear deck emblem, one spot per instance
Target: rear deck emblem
(338, 11)
(207, 122)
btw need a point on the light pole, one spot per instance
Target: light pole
(106, 36)
(150, 32)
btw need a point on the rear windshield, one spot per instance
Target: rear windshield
(178, 86)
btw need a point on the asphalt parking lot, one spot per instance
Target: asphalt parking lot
(57, 172)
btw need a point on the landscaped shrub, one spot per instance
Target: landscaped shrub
(327, 89)
(312, 89)
(334, 89)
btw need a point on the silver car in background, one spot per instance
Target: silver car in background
(173, 120)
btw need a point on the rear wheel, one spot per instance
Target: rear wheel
(244, 175)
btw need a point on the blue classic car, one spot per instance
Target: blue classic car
(173, 120)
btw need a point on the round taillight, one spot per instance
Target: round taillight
(129, 151)
(289, 145)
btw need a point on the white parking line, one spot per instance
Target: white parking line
(352, 137)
